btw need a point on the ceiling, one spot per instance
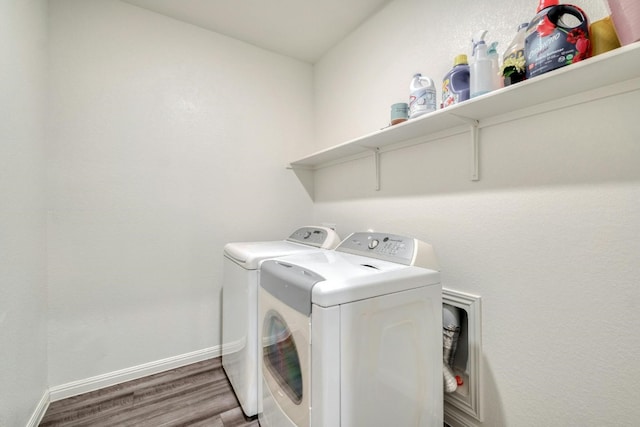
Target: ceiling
(302, 29)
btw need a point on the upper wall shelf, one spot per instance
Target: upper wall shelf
(612, 73)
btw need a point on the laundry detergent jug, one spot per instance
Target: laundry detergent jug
(557, 36)
(422, 96)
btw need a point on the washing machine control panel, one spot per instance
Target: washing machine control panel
(319, 237)
(388, 247)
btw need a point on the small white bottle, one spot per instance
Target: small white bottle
(481, 69)
(422, 97)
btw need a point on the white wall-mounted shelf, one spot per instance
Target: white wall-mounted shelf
(609, 74)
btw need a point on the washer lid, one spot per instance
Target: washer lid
(348, 277)
(341, 291)
(249, 254)
(305, 239)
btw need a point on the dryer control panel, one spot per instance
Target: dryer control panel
(390, 247)
(320, 237)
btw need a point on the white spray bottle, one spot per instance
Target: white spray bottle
(481, 69)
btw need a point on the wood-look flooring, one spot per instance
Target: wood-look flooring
(196, 395)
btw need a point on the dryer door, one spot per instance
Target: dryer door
(285, 364)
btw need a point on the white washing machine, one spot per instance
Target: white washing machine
(240, 304)
(352, 337)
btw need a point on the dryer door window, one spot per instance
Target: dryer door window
(281, 356)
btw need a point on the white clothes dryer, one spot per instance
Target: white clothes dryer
(352, 337)
(240, 304)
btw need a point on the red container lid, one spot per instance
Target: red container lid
(546, 3)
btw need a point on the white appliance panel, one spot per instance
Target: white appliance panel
(240, 345)
(325, 362)
(388, 373)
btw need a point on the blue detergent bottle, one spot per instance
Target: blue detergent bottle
(455, 85)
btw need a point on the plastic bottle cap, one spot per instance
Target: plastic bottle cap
(546, 3)
(460, 60)
(492, 50)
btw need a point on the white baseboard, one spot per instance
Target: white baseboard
(74, 388)
(38, 414)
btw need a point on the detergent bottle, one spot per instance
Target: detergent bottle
(481, 69)
(557, 36)
(455, 85)
(513, 63)
(422, 97)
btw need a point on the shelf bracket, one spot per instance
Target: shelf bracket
(376, 166)
(475, 154)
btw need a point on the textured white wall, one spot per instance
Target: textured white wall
(547, 237)
(23, 297)
(167, 141)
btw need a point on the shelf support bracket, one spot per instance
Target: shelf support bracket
(475, 149)
(376, 166)
(475, 155)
